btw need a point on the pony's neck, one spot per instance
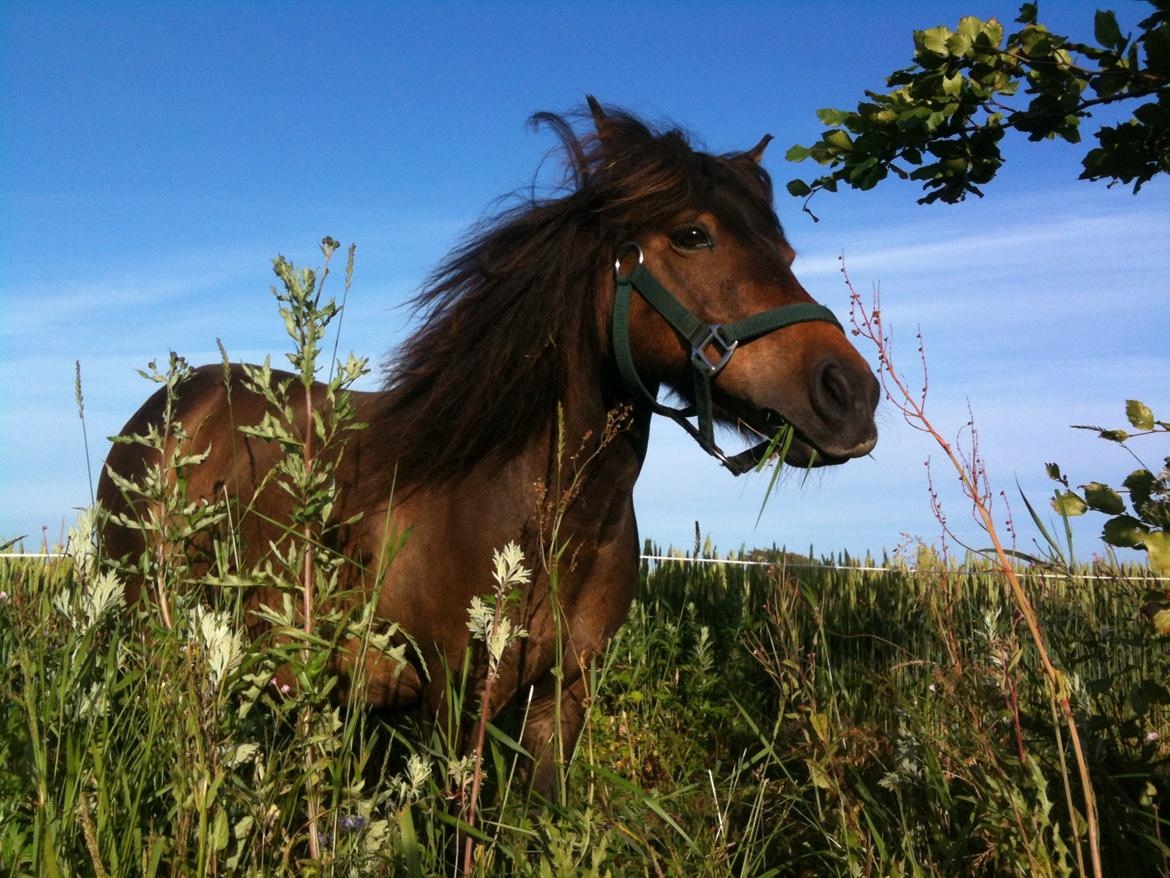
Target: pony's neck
(603, 445)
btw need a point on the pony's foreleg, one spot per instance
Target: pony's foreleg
(551, 730)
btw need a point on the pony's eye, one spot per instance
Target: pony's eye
(691, 238)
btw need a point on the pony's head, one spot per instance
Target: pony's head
(707, 234)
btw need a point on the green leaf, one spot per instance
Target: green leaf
(1103, 498)
(992, 32)
(1161, 620)
(1157, 45)
(1146, 694)
(1140, 483)
(829, 116)
(1139, 414)
(1158, 548)
(1124, 531)
(797, 153)
(839, 139)
(219, 832)
(818, 775)
(1027, 14)
(1068, 504)
(934, 40)
(1106, 30)
(1053, 470)
(799, 188)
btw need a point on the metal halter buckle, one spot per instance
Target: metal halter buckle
(699, 358)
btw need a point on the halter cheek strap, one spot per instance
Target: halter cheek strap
(725, 338)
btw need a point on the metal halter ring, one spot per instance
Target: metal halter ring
(622, 251)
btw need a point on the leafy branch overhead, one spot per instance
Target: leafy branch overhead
(944, 117)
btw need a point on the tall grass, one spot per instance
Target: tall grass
(746, 721)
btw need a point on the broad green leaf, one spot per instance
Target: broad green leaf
(1067, 503)
(1106, 30)
(820, 724)
(797, 153)
(818, 775)
(959, 44)
(829, 116)
(1157, 45)
(992, 32)
(1162, 621)
(1139, 414)
(1124, 531)
(969, 26)
(1140, 484)
(1103, 498)
(1158, 548)
(1146, 694)
(840, 139)
(934, 40)
(799, 188)
(219, 832)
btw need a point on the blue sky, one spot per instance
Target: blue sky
(155, 157)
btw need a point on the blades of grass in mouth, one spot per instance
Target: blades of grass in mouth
(782, 440)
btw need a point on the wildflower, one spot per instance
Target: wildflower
(484, 622)
(1152, 736)
(3, 597)
(222, 644)
(353, 823)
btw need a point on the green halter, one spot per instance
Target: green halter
(724, 337)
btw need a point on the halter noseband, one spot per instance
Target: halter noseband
(726, 337)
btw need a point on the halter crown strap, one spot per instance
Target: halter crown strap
(725, 338)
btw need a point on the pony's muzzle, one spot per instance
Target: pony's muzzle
(844, 399)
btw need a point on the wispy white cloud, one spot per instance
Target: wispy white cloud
(1101, 241)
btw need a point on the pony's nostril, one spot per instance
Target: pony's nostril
(832, 393)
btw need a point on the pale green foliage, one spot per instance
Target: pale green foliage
(486, 618)
(1145, 525)
(221, 641)
(943, 118)
(99, 592)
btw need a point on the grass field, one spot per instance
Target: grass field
(747, 720)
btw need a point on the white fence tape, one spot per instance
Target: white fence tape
(735, 562)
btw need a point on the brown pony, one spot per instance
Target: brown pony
(517, 323)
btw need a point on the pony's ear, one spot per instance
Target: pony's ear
(756, 153)
(601, 121)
